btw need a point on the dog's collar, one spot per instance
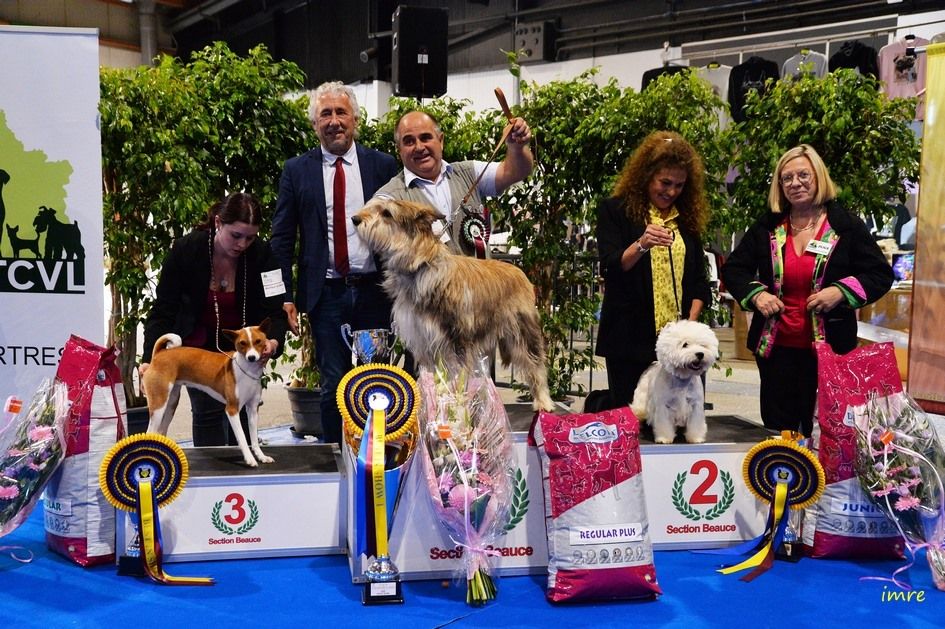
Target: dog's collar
(240, 367)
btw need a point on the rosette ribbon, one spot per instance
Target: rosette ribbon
(141, 474)
(787, 476)
(378, 405)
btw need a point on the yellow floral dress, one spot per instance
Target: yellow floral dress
(666, 297)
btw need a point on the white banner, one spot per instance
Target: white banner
(240, 517)
(51, 270)
(696, 496)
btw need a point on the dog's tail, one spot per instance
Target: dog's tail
(168, 341)
(643, 392)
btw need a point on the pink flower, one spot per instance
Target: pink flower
(466, 458)
(446, 482)
(885, 491)
(41, 433)
(9, 491)
(907, 502)
(461, 497)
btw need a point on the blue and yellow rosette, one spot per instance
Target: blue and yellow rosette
(141, 474)
(378, 404)
(787, 476)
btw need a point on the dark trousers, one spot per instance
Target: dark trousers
(363, 305)
(622, 377)
(788, 389)
(210, 424)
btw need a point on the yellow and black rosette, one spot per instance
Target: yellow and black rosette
(786, 475)
(148, 456)
(780, 460)
(358, 385)
(143, 473)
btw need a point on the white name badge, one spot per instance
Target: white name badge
(819, 247)
(272, 283)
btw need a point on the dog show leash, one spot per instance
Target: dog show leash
(474, 228)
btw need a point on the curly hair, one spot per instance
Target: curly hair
(664, 149)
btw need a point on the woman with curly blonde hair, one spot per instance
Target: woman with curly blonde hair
(651, 255)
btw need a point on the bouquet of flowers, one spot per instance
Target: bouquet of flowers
(467, 446)
(900, 463)
(31, 447)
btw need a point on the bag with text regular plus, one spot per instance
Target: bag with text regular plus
(844, 522)
(595, 513)
(80, 523)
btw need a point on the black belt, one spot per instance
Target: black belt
(354, 279)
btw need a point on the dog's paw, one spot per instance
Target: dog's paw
(264, 458)
(250, 461)
(700, 439)
(663, 439)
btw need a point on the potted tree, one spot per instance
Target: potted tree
(863, 136)
(302, 387)
(175, 138)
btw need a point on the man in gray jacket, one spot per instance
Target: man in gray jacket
(427, 178)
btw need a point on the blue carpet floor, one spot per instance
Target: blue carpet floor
(317, 591)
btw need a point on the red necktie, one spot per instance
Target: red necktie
(339, 221)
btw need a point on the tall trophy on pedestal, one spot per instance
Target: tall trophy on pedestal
(378, 403)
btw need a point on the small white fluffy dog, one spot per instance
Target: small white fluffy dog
(669, 394)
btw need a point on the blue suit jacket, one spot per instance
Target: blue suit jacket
(301, 212)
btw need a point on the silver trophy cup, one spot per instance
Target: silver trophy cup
(369, 346)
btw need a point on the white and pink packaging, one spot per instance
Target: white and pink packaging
(595, 511)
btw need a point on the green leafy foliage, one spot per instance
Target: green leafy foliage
(175, 138)
(584, 133)
(863, 137)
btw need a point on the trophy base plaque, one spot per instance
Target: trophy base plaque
(129, 566)
(789, 551)
(382, 593)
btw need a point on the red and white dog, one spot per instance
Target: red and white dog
(232, 378)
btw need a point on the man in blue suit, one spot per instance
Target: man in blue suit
(338, 279)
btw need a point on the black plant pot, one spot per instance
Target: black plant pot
(306, 411)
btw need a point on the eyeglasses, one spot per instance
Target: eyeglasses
(802, 177)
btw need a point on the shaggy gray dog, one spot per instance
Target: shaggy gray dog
(450, 308)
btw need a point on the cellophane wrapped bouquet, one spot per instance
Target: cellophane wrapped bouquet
(467, 453)
(32, 445)
(900, 464)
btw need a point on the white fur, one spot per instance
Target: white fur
(669, 394)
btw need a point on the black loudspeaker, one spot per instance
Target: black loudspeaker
(536, 41)
(418, 51)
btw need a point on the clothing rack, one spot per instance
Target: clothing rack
(748, 51)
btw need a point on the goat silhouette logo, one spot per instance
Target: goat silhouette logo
(41, 249)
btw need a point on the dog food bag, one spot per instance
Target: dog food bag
(80, 523)
(595, 512)
(844, 523)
